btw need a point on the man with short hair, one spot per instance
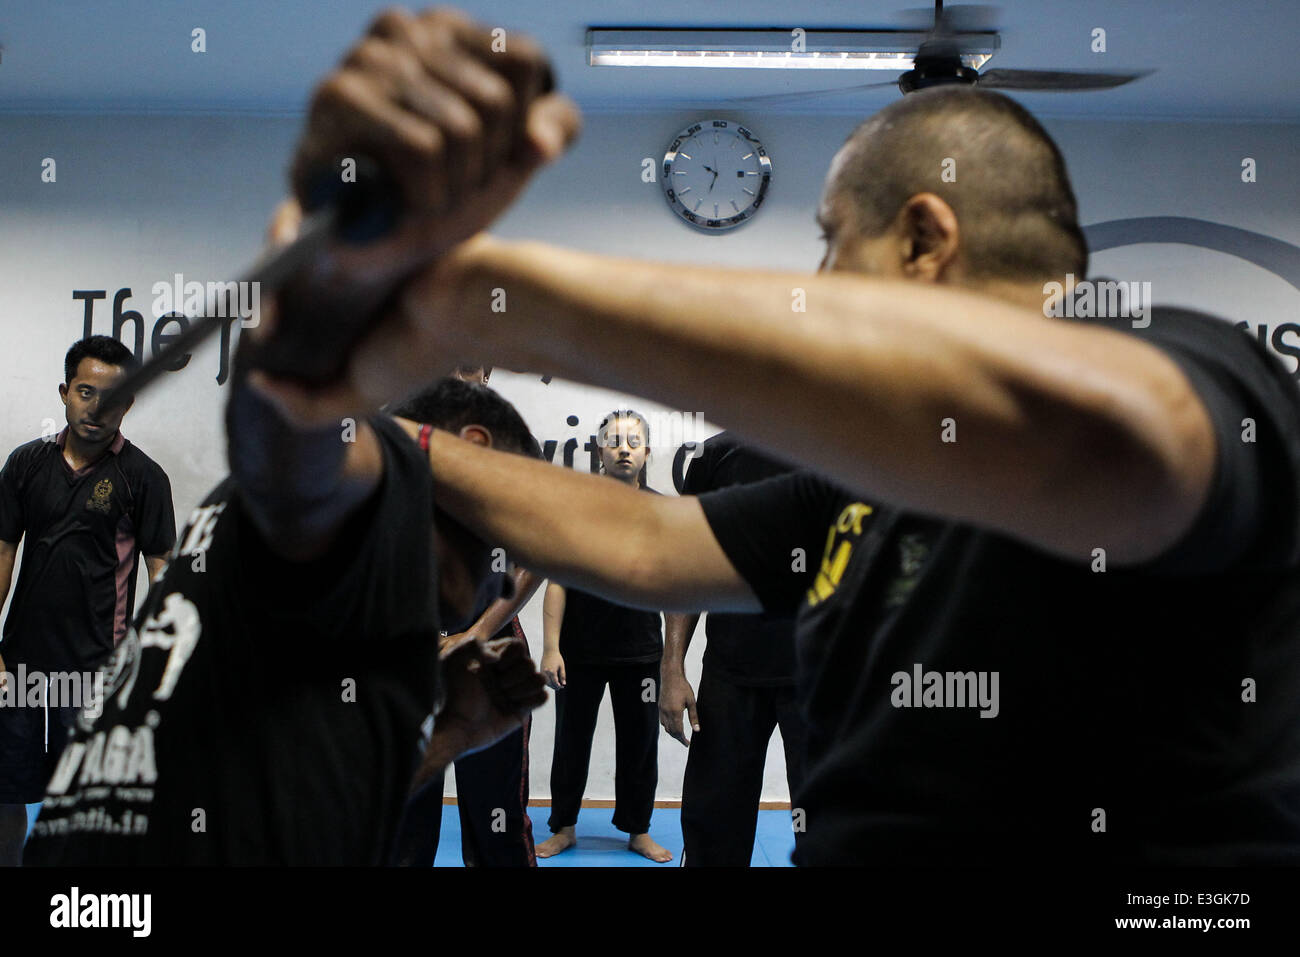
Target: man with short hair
(89, 504)
(1059, 560)
(491, 784)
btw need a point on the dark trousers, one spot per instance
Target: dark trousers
(724, 767)
(492, 798)
(636, 736)
(32, 740)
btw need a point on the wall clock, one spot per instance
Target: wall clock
(715, 175)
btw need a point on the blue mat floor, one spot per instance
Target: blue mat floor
(600, 844)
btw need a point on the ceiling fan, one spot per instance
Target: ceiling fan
(958, 31)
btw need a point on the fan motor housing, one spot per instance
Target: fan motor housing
(927, 73)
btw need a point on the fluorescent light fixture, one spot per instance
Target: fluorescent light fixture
(774, 49)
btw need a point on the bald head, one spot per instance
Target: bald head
(1010, 193)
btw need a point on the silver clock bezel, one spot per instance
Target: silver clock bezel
(704, 223)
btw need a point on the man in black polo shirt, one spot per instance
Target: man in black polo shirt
(89, 504)
(1072, 634)
(746, 690)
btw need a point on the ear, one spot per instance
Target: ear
(477, 434)
(931, 238)
(63, 392)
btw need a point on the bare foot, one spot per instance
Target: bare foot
(561, 840)
(643, 845)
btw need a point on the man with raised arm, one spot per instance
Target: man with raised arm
(1054, 611)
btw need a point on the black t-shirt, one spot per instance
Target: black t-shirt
(750, 650)
(262, 711)
(594, 631)
(85, 531)
(1143, 715)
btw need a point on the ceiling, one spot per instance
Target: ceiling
(1213, 59)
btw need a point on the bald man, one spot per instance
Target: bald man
(1054, 557)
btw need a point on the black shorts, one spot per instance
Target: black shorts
(29, 751)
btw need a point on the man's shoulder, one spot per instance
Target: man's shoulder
(141, 470)
(32, 451)
(135, 458)
(725, 460)
(799, 487)
(1151, 317)
(1209, 341)
(1195, 323)
(1224, 344)
(718, 443)
(1175, 323)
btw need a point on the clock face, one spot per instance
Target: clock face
(715, 174)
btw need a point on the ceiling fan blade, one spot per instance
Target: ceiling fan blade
(1058, 81)
(774, 98)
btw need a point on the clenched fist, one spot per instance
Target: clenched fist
(490, 687)
(458, 115)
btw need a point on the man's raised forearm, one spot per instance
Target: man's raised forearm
(664, 556)
(870, 383)
(299, 483)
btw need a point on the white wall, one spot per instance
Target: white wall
(138, 199)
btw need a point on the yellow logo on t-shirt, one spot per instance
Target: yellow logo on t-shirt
(840, 537)
(98, 501)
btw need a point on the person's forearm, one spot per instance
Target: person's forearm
(552, 617)
(298, 483)
(932, 398)
(664, 556)
(501, 611)
(153, 564)
(678, 629)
